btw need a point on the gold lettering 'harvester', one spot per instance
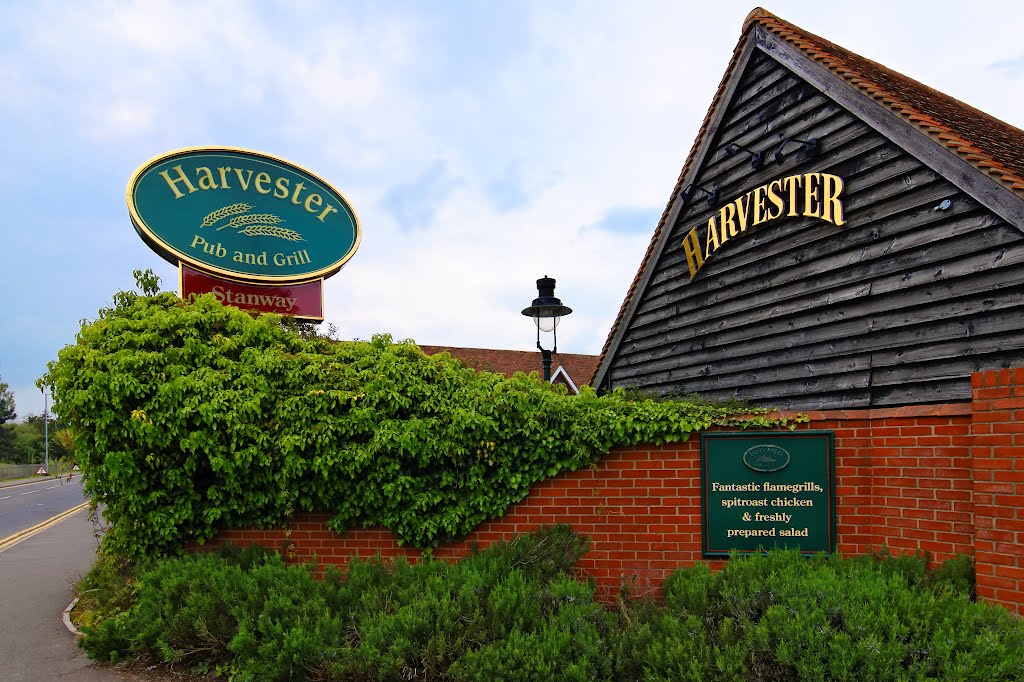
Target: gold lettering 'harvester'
(814, 195)
(278, 188)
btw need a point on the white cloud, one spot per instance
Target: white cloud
(546, 118)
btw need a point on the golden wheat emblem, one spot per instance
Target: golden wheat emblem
(251, 219)
(271, 231)
(251, 224)
(221, 213)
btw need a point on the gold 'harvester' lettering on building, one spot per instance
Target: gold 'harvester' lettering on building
(262, 182)
(814, 195)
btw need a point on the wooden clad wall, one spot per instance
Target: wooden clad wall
(896, 307)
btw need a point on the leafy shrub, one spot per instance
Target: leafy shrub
(785, 617)
(541, 556)
(514, 612)
(568, 645)
(107, 590)
(656, 643)
(249, 614)
(956, 575)
(191, 417)
(418, 620)
(266, 621)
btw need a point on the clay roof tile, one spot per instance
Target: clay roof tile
(578, 366)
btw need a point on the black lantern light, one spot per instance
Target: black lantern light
(687, 193)
(756, 158)
(810, 147)
(546, 311)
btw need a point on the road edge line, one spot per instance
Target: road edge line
(22, 535)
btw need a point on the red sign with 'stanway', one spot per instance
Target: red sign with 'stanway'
(304, 301)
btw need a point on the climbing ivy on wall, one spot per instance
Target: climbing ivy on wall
(191, 417)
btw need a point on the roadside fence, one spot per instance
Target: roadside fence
(9, 471)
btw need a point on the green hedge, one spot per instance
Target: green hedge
(190, 417)
(514, 613)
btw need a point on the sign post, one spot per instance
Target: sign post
(765, 490)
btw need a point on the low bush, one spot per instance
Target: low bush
(786, 617)
(251, 615)
(953, 576)
(107, 590)
(515, 612)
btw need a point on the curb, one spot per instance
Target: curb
(66, 617)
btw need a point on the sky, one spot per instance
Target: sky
(482, 144)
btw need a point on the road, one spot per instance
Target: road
(37, 577)
(23, 506)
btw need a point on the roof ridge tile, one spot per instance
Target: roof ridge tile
(836, 58)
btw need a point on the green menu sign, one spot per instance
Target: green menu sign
(765, 490)
(242, 214)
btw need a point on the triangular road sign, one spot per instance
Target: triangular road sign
(75, 468)
(41, 470)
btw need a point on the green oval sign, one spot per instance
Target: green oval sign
(243, 214)
(766, 458)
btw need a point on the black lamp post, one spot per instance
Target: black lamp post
(546, 311)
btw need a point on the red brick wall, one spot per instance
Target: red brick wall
(938, 478)
(640, 507)
(998, 428)
(903, 478)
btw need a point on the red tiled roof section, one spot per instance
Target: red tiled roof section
(991, 145)
(982, 140)
(507, 362)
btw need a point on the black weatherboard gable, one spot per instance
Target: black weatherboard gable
(919, 285)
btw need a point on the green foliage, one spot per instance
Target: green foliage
(24, 442)
(147, 281)
(10, 448)
(783, 617)
(7, 411)
(954, 576)
(569, 645)
(249, 614)
(107, 591)
(541, 556)
(190, 417)
(514, 612)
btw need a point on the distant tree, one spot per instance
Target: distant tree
(8, 451)
(7, 412)
(24, 442)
